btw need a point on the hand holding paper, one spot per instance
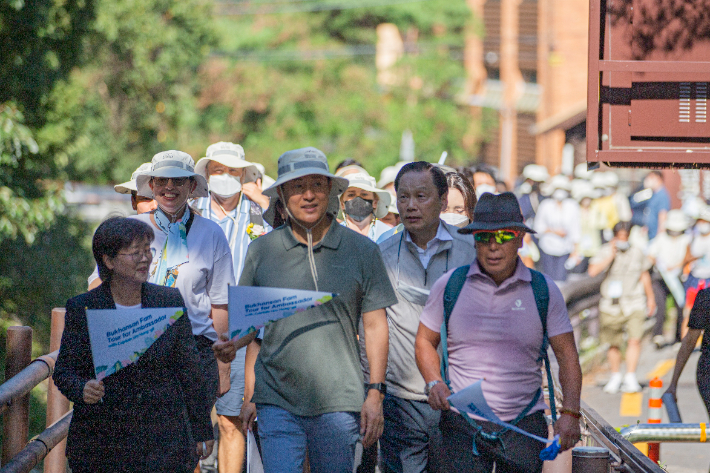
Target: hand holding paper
(472, 401)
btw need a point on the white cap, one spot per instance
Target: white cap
(535, 172)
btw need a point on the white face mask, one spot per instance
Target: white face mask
(225, 185)
(703, 227)
(454, 218)
(560, 195)
(483, 188)
(525, 188)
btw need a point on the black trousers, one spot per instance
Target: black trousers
(517, 453)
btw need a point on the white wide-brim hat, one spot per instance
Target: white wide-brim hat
(581, 189)
(677, 221)
(535, 172)
(367, 183)
(130, 186)
(299, 163)
(172, 163)
(558, 182)
(581, 172)
(230, 155)
(389, 174)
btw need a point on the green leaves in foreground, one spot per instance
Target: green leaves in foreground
(26, 207)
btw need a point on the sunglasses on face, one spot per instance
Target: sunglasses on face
(177, 181)
(500, 236)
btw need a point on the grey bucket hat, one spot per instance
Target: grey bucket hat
(172, 163)
(299, 163)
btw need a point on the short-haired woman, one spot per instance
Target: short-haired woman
(132, 420)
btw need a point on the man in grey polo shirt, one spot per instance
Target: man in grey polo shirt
(309, 383)
(415, 258)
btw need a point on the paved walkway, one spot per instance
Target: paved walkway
(626, 409)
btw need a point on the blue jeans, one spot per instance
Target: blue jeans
(329, 438)
(411, 441)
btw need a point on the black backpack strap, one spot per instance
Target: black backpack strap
(451, 295)
(542, 300)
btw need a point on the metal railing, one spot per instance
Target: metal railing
(665, 433)
(21, 375)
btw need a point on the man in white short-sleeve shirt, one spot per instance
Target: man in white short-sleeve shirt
(495, 333)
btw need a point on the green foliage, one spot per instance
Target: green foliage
(133, 96)
(26, 205)
(270, 103)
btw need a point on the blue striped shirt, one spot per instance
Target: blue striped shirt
(234, 226)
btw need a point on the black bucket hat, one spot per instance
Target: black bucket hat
(497, 212)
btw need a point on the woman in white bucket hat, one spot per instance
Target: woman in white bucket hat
(308, 376)
(190, 253)
(363, 206)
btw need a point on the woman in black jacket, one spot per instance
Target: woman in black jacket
(152, 414)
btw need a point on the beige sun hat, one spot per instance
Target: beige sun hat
(677, 221)
(350, 169)
(299, 163)
(171, 163)
(389, 174)
(232, 156)
(367, 183)
(130, 186)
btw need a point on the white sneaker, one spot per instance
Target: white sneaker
(612, 387)
(659, 341)
(631, 384)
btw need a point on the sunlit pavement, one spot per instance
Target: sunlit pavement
(627, 409)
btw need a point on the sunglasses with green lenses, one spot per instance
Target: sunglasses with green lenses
(500, 236)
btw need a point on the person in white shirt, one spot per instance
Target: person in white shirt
(190, 253)
(558, 227)
(667, 252)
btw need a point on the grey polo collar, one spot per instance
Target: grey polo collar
(331, 239)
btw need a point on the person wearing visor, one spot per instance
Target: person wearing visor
(363, 205)
(309, 386)
(190, 253)
(415, 258)
(140, 204)
(495, 332)
(236, 204)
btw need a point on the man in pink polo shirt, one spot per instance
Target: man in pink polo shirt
(495, 334)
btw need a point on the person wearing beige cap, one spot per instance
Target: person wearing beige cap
(236, 204)
(309, 385)
(363, 206)
(190, 253)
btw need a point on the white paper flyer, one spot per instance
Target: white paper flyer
(251, 307)
(120, 336)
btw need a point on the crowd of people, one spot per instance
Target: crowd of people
(363, 380)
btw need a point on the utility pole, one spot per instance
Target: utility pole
(513, 88)
(476, 73)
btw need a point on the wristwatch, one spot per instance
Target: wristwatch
(381, 387)
(430, 385)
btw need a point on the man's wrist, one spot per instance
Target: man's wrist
(430, 385)
(380, 388)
